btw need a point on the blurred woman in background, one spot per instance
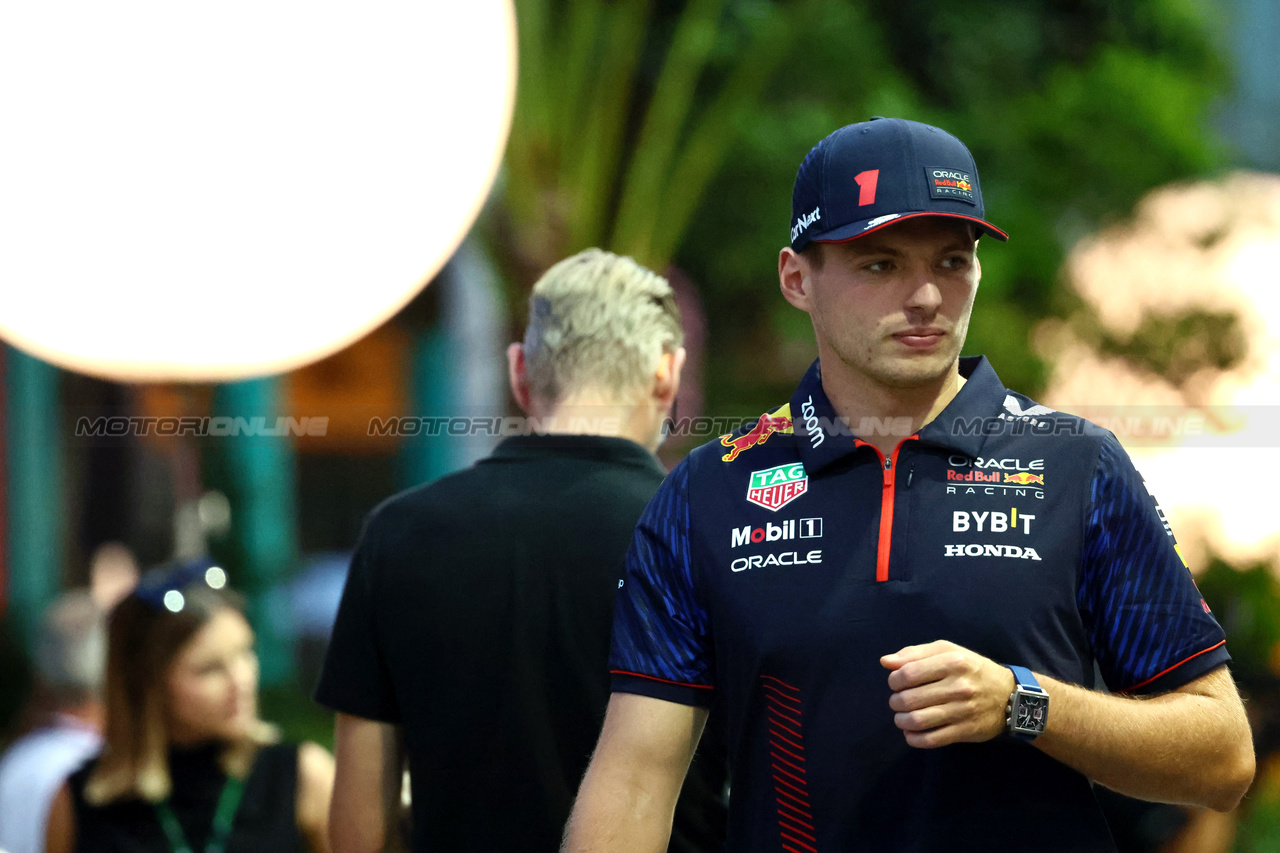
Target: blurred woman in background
(187, 766)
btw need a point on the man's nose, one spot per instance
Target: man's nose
(924, 294)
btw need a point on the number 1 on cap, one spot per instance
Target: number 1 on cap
(866, 182)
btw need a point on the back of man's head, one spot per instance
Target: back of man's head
(598, 323)
(70, 651)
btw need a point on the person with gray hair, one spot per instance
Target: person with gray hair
(475, 622)
(69, 659)
(601, 329)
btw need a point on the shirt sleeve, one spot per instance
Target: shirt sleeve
(661, 632)
(1151, 630)
(354, 678)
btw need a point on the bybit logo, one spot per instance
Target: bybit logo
(999, 522)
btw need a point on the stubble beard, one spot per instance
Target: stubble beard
(904, 372)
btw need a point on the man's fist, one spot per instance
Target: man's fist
(944, 693)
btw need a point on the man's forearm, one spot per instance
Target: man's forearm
(1179, 747)
(628, 797)
(1192, 745)
(364, 815)
(613, 814)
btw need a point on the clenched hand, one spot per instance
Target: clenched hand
(943, 693)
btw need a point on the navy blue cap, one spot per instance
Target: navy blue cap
(162, 587)
(870, 175)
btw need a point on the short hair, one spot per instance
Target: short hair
(143, 641)
(813, 254)
(598, 321)
(70, 648)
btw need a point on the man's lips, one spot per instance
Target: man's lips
(919, 338)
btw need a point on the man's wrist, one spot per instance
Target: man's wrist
(1027, 711)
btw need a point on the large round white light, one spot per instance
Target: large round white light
(205, 191)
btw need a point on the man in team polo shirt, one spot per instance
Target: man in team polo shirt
(931, 610)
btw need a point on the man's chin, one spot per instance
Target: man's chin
(919, 372)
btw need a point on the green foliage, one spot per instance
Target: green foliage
(623, 117)
(673, 130)
(1072, 110)
(299, 718)
(1259, 828)
(1246, 602)
(1176, 347)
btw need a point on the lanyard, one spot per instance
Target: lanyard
(223, 816)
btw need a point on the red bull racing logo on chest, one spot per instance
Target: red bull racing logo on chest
(774, 488)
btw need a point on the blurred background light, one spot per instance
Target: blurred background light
(212, 192)
(215, 577)
(1181, 319)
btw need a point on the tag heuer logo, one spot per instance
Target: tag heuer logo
(774, 488)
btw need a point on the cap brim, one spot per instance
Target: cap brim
(854, 230)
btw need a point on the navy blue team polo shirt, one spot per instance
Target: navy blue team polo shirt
(775, 566)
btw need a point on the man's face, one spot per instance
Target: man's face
(894, 305)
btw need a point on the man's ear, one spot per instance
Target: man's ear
(793, 278)
(666, 381)
(516, 375)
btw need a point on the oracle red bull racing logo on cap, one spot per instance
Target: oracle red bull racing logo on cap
(774, 488)
(758, 434)
(950, 184)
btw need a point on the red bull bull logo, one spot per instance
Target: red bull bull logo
(759, 434)
(1024, 478)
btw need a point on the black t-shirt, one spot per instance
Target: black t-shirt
(477, 615)
(265, 822)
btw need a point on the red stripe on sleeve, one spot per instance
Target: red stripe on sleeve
(663, 680)
(1175, 666)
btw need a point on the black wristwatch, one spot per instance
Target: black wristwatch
(1028, 708)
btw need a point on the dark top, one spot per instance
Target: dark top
(477, 615)
(266, 821)
(774, 568)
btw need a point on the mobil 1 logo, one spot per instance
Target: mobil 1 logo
(792, 528)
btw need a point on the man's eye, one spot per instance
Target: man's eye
(956, 262)
(880, 266)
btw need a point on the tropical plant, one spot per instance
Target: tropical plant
(624, 115)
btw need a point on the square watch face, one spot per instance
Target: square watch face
(1031, 712)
